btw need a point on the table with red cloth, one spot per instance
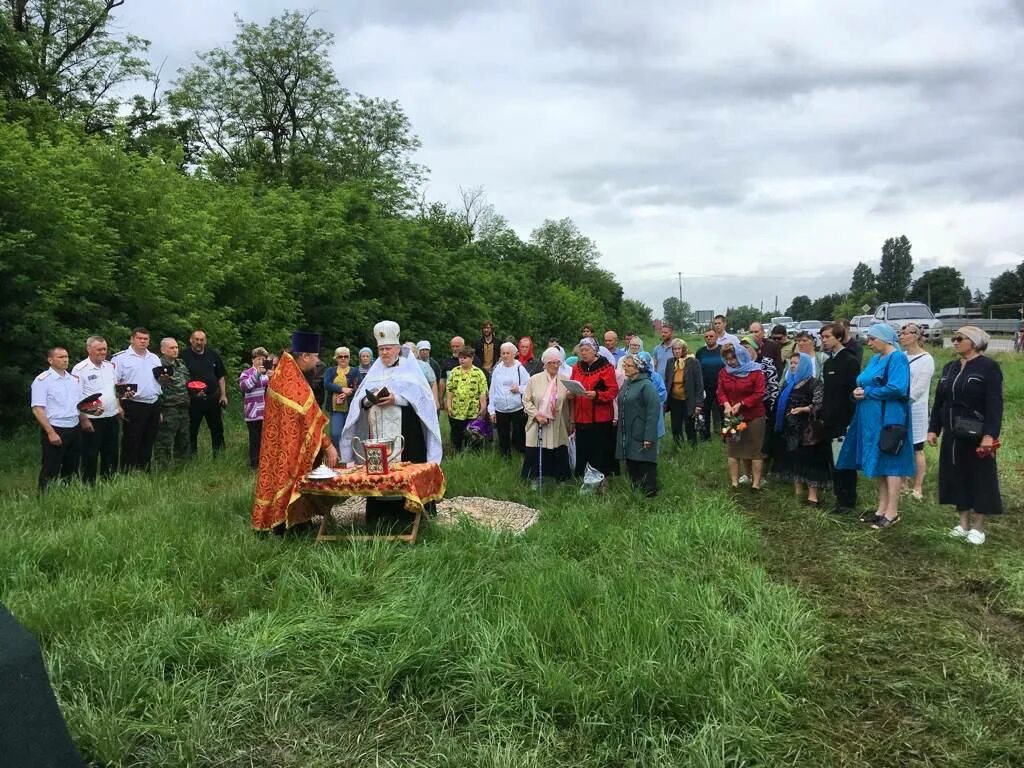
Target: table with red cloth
(418, 484)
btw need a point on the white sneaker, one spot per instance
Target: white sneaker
(975, 536)
(744, 480)
(958, 532)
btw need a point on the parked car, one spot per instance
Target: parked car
(859, 324)
(784, 320)
(899, 313)
(814, 326)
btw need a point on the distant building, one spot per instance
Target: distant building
(964, 312)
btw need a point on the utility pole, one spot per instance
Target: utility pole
(929, 295)
(680, 287)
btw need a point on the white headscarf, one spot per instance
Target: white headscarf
(407, 382)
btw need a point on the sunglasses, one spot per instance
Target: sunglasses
(959, 338)
(340, 356)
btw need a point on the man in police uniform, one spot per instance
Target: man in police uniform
(134, 366)
(55, 397)
(172, 436)
(100, 431)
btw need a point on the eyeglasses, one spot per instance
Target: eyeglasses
(959, 338)
(340, 356)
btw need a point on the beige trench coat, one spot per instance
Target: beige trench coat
(556, 432)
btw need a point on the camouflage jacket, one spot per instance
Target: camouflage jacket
(176, 390)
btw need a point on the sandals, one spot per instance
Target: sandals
(869, 516)
(884, 522)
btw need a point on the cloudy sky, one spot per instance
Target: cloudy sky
(761, 149)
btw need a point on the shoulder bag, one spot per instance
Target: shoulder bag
(893, 436)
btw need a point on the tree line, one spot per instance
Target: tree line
(938, 288)
(255, 196)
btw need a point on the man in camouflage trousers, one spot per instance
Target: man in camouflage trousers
(172, 443)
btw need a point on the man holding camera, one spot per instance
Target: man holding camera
(172, 438)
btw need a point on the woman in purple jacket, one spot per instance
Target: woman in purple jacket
(253, 383)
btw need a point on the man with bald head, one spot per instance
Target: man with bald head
(611, 343)
(205, 365)
(172, 438)
(449, 365)
(766, 346)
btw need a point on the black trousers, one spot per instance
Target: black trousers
(595, 445)
(208, 408)
(255, 440)
(644, 476)
(680, 420)
(712, 411)
(844, 483)
(138, 434)
(458, 429)
(511, 429)
(100, 446)
(60, 462)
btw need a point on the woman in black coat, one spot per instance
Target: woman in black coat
(685, 384)
(968, 413)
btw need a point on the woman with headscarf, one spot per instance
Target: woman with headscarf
(365, 361)
(640, 412)
(548, 422)
(593, 411)
(505, 400)
(532, 364)
(771, 396)
(922, 371)
(882, 413)
(806, 343)
(741, 394)
(802, 451)
(634, 346)
(968, 413)
(685, 392)
(659, 386)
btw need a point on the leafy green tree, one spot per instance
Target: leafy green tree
(1005, 288)
(742, 316)
(677, 312)
(940, 287)
(64, 53)
(634, 316)
(895, 270)
(863, 279)
(271, 104)
(978, 298)
(800, 309)
(824, 308)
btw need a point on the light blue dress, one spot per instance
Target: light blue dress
(860, 449)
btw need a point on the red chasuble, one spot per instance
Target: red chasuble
(293, 435)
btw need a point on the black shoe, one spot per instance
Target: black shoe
(813, 504)
(839, 509)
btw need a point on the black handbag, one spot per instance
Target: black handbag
(969, 428)
(893, 436)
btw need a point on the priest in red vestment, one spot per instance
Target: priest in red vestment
(293, 438)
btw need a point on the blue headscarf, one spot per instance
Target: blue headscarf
(884, 332)
(745, 364)
(642, 361)
(804, 371)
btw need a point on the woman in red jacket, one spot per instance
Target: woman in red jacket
(595, 411)
(741, 393)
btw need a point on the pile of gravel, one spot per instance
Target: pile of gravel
(496, 514)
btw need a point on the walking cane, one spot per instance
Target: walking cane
(540, 456)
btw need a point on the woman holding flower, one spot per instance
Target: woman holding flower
(741, 395)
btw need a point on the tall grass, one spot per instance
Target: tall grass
(615, 632)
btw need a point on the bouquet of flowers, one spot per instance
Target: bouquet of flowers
(733, 428)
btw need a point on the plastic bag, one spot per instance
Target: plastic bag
(572, 451)
(593, 481)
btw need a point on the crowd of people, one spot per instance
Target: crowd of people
(807, 411)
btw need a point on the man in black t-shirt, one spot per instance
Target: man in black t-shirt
(205, 365)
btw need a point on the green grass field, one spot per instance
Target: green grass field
(703, 629)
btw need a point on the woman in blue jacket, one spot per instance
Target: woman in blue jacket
(883, 399)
